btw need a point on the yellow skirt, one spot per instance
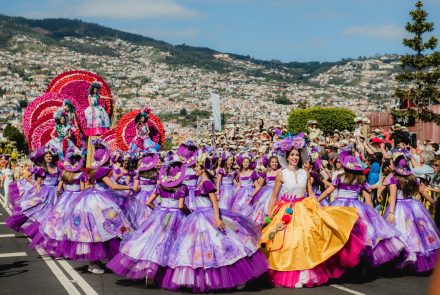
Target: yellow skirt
(312, 236)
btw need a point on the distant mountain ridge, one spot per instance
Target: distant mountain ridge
(52, 30)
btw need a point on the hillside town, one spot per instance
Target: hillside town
(138, 76)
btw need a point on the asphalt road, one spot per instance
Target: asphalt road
(24, 271)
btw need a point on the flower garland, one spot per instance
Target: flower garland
(42, 134)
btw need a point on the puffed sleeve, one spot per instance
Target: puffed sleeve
(182, 192)
(390, 180)
(221, 171)
(39, 172)
(101, 173)
(208, 187)
(83, 177)
(254, 175)
(336, 182)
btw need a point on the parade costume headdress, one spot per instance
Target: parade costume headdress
(188, 151)
(265, 160)
(245, 155)
(74, 160)
(94, 85)
(350, 162)
(149, 161)
(282, 147)
(205, 162)
(172, 172)
(102, 154)
(144, 113)
(117, 156)
(401, 166)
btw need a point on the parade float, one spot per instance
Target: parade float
(78, 106)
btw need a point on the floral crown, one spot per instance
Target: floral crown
(146, 111)
(290, 142)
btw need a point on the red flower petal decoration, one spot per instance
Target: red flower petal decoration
(125, 131)
(75, 85)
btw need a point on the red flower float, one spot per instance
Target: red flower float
(125, 131)
(75, 85)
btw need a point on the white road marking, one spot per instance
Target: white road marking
(16, 254)
(7, 236)
(61, 276)
(347, 290)
(2, 223)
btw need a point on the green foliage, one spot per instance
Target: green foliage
(328, 119)
(283, 100)
(23, 103)
(183, 112)
(168, 145)
(421, 69)
(187, 118)
(13, 134)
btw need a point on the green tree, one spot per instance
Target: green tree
(13, 134)
(183, 112)
(421, 72)
(328, 119)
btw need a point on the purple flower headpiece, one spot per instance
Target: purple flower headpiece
(290, 142)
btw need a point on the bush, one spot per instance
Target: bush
(283, 100)
(328, 119)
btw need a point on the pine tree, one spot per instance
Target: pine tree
(419, 81)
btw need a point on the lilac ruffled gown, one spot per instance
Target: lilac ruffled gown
(243, 194)
(146, 251)
(384, 243)
(191, 182)
(259, 206)
(204, 259)
(34, 206)
(51, 232)
(94, 224)
(418, 229)
(18, 189)
(135, 206)
(227, 189)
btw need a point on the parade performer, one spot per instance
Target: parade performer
(65, 133)
(383, 242)
(188, 151)
(306, 244)
(213, 250)
(142, 140)
(226, 175)
(51, 231)
(41, 201)
(20, 187)
(147, 180)
(98, 121)
(259, 205)
(144, 254)
(411, 218)
(95, 222)
(248, 185)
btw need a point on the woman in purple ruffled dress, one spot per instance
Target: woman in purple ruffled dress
(144, 254)
(146, 179)
(259, 205)
(51, 232)
(225, 181)
(411, 218)
(35, 206)
(95, 222)
(383, 241)
(214, 249)
(188, 152)
(20, 187)
(248, 185)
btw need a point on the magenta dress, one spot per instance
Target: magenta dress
(384, 243)
(418, 230)
(227, 189)
(204, 258)
(145, 252)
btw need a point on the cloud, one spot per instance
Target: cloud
(118, 9)
(386, 32)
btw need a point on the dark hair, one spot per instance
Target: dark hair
(275, 157)
(150, 174)
(407, 184)
(139, 116)
(300, 161)
(132, 165)
(435, 146)
(352, 178)
(44, 164)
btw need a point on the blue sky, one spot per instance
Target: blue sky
(287, 30)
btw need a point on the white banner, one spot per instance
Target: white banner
(215, 100)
